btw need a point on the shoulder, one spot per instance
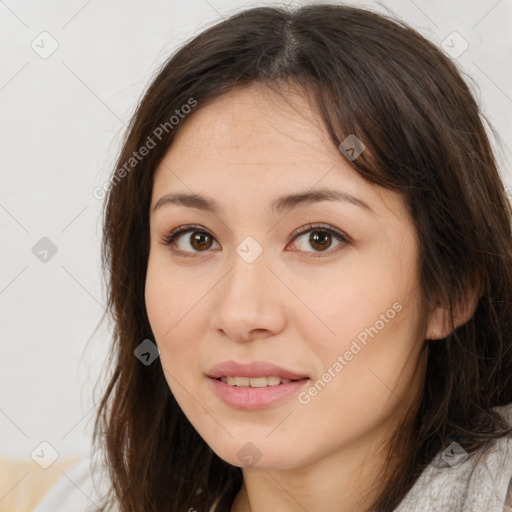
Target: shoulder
(456, 482)
(77, 490)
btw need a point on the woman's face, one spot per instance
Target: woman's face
(339, 308)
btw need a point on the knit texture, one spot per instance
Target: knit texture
(454, 482)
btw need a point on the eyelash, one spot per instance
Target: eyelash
(169, 238)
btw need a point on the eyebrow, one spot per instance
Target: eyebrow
(279, 205)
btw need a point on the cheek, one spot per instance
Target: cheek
(165, 305)
(373, 314)
(170, 296)
(363, 384)
(354, 296)
(174, 309)
(160, 301)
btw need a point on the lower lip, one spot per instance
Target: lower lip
(255, 398)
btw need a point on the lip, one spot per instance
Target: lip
(255, 398)
(253, 369)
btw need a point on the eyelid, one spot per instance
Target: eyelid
(184, 228)
(320, 226)
(343, 238)
(167, 238)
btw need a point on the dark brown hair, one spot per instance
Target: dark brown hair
(371, 76)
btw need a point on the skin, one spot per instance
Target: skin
(287, 307)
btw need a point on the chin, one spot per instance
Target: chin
(258, 455)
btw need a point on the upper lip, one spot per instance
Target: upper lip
(252, 369)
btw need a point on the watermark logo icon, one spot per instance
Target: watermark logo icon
(249, 249)
(454, 45)
(44, 250)
(249, 454)
(454, 455)
(352, 147)
(44, 45)
(44, 455)
(146, 352)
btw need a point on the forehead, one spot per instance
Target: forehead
(254, 112)
(252, 145)
(252, 135)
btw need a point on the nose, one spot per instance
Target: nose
(250, 301)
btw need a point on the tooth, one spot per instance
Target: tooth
(242, 381)
(258, 382)
(254, 382)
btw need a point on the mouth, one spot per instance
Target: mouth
(256, 382)
(254, 385)
(257, 397)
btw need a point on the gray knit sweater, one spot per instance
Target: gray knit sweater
(454, 482)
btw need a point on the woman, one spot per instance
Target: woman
(309, 255)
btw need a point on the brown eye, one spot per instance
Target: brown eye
(316, 240)
(200, 241)
(320, 240)
(188, 240)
